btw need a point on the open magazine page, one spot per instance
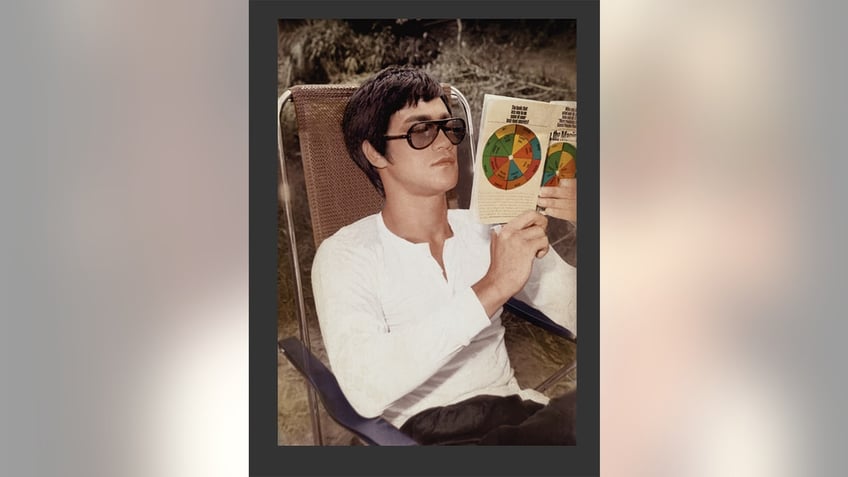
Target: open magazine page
(561, 159)
(560, 164)
(513, 140)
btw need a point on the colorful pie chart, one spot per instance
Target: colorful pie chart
(511, 156)
(561, 163)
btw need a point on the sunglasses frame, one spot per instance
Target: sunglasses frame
(440, 123)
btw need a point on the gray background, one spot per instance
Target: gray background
(125, 261)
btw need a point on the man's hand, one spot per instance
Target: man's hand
(560, 201)
(512, 252)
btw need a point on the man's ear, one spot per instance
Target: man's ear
(375, 158)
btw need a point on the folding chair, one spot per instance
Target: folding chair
(331, 180)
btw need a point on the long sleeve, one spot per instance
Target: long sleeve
(377, 364)
(552, 289)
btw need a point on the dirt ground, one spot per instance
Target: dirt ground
(529, 59)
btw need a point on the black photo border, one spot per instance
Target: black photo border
(265, 456)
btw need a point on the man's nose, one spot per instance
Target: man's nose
(442, 140)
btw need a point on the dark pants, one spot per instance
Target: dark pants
(494, 420)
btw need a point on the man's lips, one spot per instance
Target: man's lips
(445, 161)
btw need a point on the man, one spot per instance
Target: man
(409, 299)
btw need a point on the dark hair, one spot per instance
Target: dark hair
(366, 116)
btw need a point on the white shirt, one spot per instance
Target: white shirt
(402, 338)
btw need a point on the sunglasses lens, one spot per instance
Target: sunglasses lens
(455, 130)
(422, 135)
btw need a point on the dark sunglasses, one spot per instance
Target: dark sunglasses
(422, 134)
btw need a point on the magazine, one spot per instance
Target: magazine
(561, 159)
(523, 144)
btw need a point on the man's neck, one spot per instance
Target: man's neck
(418, 220)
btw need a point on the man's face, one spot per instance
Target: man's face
(425, 172)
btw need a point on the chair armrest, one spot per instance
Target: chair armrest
(536, 317)
(374, 431)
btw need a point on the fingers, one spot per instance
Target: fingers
(557, 202)
(527, 219)
(560, 201)
(527, 234)
(532, 232)
(542, 248)
(533, 237)
(568, 212)
(567, 189)
(529, 225)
